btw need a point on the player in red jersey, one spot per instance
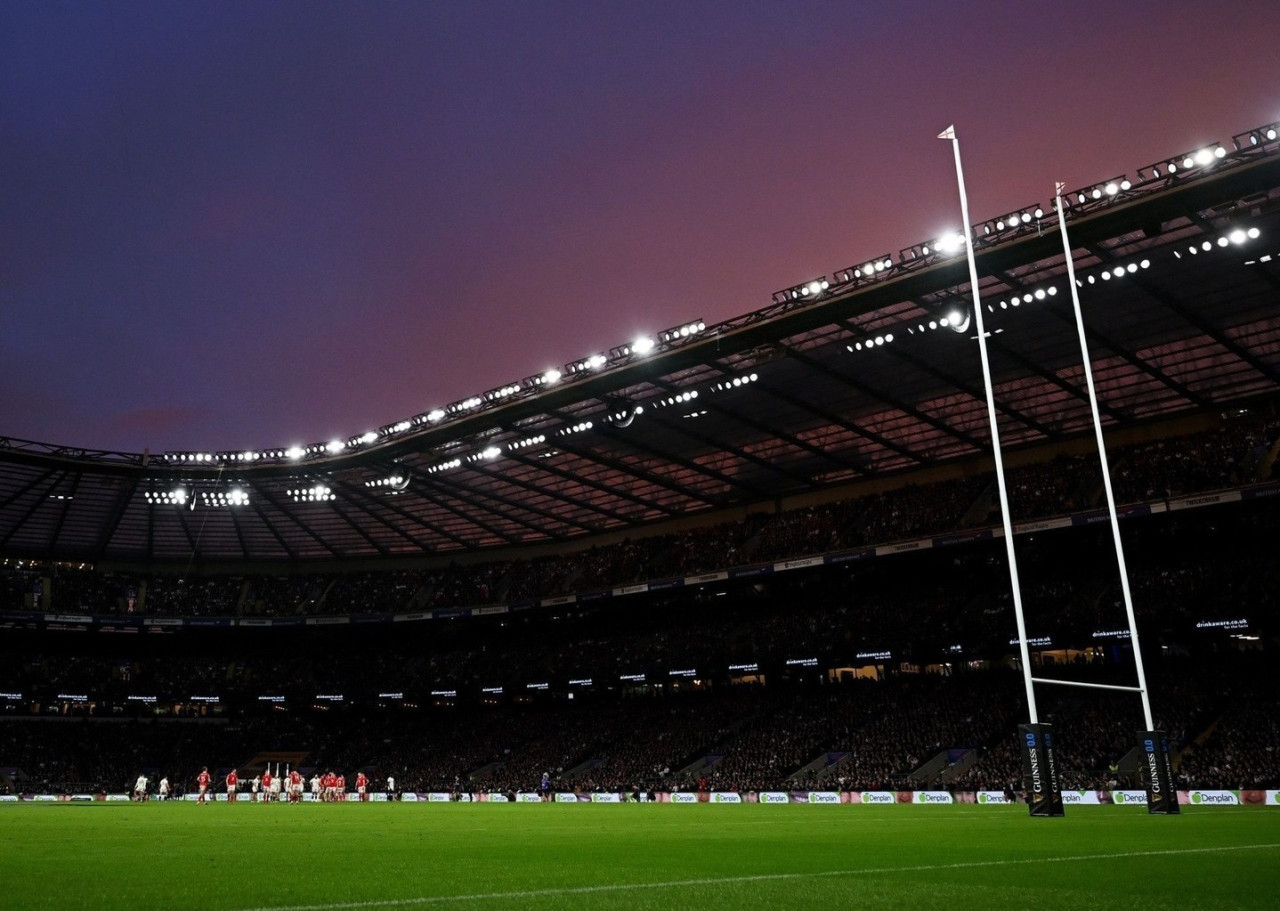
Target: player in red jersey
(295, 786)
(202, 783)
(233, 782)
(330, 786)
(266, 785)
(362, 787)
(342, 787)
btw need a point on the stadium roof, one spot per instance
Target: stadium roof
(869, 371)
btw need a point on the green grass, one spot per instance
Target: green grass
(705, 857)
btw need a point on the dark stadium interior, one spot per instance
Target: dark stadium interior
(793, 578)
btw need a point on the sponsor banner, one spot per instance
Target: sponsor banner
(488, 611)
(209, 621)
(706, 577)
(68, 618)
(632, 589)
(880, 797)
(44, 797)
(1214, 798)
(438, 797)
(190, 797)
(1040, 770)
(528, 797)
(824, 797)
(1209, 499)
(1157, 773)
(1236, 623)
(1081, 798)
(254, 621)
(464, 798)
(726, 797)
(566, 797)
(1255, 493)
(451, 613)
(518, 606)
(850, 555)
(401, 618)
(117, 797)
(593, 596)
(163, 621)
(743, 572)
(1273, 798)
(962, 538)
(774, 797)
(997, 797)
(903, 547)
(409, 797)
(933, 797)
(1134, 798)
(553, 602)
(8, 798)
(606, 798)
(666, 585)
(684, 797)
(81, 797)
(1023, 528)
(378, 797)
(495, 798)
(371, 618)
(797, 564)
(288, 621)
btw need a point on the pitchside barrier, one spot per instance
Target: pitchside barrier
(1202, 797)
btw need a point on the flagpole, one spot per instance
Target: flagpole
(1024, 650)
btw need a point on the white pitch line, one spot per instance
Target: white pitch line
(731, 880)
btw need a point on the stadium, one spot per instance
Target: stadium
(717, 609)
(751, 562)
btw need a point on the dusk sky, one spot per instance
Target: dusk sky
(252, 224)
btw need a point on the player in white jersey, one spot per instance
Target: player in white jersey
(140, 788)
(164, 789)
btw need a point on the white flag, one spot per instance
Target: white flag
(948, 133)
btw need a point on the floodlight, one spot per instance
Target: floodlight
(551, 377)
(335, 446)
(1237, 236)
(294, 452)
(642, 345)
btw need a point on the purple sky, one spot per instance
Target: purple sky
(252, 224)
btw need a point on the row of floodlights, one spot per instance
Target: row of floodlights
(735, 383)
(640, 346)
(393, 481)
(948, 244)
(1236, 237)
(319, 493)
(1027, 297)
(236, 496)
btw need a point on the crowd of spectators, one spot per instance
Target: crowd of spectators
(1231, 454)
(939, 620)
(856, 735)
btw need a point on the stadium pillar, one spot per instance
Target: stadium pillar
(1006, 517)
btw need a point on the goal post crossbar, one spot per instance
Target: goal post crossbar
(1092, 686)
